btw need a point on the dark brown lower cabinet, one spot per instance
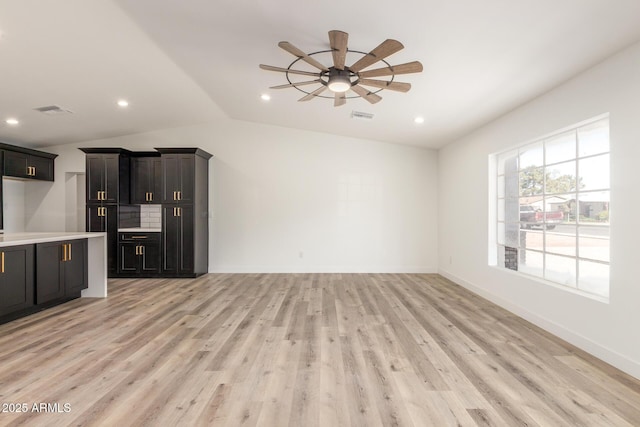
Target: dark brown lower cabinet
(16, 278)
(139, 254)
(104, 218)
(61, 270)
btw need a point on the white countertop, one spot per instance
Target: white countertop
(13, 239)
(139, 230)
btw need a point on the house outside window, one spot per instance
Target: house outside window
(553, 208)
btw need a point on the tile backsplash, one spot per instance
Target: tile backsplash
(151, 216)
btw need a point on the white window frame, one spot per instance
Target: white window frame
(500, 195)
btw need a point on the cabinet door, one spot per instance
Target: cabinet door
(15, 164)
(150, 258)
(178, 171)
(49, 272)
(16, 278)
(129, 259)
(170, 178)
(105, 219)
(170, 240)
(146, 180)
(139, 180)
(43, 168)
(75, 268)
(177, 244)
(95, 174)
(112, 178)
(187, 177)
(155, 186)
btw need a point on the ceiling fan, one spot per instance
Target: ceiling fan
(341, 78)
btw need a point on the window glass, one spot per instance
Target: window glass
(560, 178)
(593, 138)
(531, 263)
(593, 208)
(594, 173)
(531, 155)
(560, 269)
(531, 181)
(508, 162)
(560, 147)
(561, 243)
(594, 278)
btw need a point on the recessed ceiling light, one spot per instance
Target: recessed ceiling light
(13, 122)
(123, 103)
(265, 97)
(419, 120)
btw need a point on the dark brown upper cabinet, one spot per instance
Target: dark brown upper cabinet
(19, 162)
(146, 179)
(179, 180)
(107, 173)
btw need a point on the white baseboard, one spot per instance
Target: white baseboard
(320, 269)
(612, 357)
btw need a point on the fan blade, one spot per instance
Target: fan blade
(300, 54)
(397, 86)
(313, 94)
(371, 97)
(338, 41)
(408, 68)
(339, 99)
(386, 48)
(286, 70)
(295, 84)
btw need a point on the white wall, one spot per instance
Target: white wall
(13, 201)
(608, 330)
(290, 200)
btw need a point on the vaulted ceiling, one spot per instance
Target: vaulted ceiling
(182, 63)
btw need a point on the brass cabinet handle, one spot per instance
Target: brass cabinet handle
(137, 250)
(64, 252)
(179, 211)
(175, 195)
(2, 262)
(69, 252)
(138, 237)
(151, 197)
(141, 250)
(34, 170)
(179, 195)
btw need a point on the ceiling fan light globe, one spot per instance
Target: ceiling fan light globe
(339, 86)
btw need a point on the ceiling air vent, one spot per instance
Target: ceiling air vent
(53, 110)
(361, 115)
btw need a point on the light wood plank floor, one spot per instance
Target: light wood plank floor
(301, 350)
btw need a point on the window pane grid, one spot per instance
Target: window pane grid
(560, 186)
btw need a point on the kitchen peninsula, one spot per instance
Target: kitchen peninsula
(39, 270)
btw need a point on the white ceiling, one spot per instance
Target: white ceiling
(180, 63)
